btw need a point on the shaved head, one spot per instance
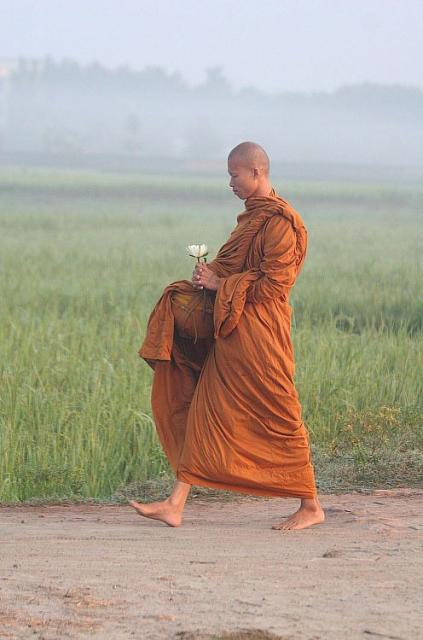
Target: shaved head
(250, 155)
(248, 166)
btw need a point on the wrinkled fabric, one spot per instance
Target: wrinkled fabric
(225, 406)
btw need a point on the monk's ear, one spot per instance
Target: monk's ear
(256, 172)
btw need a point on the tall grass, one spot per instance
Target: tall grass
(83, 259)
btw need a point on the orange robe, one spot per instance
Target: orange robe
(225, 406)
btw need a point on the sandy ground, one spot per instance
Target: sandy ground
(104, 572)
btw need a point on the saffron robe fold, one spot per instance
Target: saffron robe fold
(225, 407)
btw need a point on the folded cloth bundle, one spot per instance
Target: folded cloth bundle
(193, 314)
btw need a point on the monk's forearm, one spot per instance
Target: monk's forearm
(261, 287)
(267, 289)
(277, 272)
(214, 283)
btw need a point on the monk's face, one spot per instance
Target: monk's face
(244, 180)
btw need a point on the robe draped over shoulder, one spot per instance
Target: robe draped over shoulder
(225, 405)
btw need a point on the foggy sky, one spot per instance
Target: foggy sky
(274, 45)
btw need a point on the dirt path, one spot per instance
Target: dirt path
(104, 572)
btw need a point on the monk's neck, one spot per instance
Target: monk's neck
(262, 190)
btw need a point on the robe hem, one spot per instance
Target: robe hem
(271, 493)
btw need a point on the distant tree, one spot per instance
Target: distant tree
(203, 140)
(62, 140)
(61, 104)
(216, 84)
(132, 131)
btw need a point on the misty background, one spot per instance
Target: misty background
(314, 82)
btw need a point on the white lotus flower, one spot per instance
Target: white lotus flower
(197, 250)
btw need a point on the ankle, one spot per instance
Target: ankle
(311, 504)
(175, 503)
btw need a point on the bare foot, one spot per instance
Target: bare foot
(309, 513)
(164, 511)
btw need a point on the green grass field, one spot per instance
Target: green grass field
(84, 257)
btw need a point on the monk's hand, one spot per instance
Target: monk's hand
(204, 278)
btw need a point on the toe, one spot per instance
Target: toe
(280, 527)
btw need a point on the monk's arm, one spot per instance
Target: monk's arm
(278, 267)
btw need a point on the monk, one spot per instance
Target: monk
(224, 403)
